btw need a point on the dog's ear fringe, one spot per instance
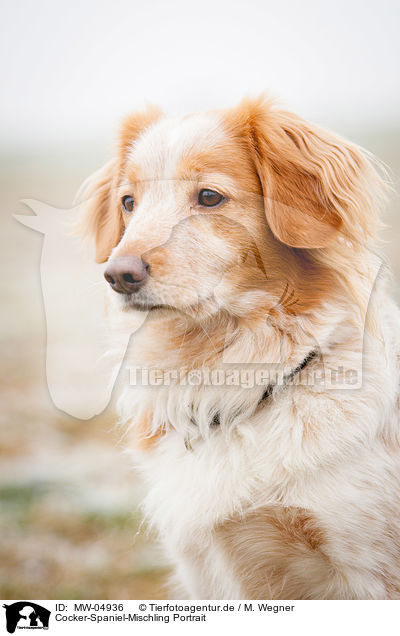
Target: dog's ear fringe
(317, 187)
(101, 219)
(322, 194)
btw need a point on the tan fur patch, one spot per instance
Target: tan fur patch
(134, 125)
(279, 553)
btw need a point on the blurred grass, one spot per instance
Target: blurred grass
(51, 552)
(73, 532)
(70, 523)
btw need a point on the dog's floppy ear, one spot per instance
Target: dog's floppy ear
(314, 184)
(102, 217)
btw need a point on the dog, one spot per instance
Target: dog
(248, 238)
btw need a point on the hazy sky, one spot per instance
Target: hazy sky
(70, 70)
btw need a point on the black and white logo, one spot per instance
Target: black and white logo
(26, 615)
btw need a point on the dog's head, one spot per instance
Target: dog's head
(229, 210)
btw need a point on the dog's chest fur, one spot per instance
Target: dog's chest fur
(309, 483)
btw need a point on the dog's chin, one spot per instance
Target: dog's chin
(134, 302)
(129, 302)
(196, 311)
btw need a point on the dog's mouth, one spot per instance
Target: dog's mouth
(171, 298)
(133, 302)
(130, 302)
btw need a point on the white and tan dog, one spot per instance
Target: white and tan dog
(248, 237)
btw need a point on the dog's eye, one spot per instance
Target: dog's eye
(209, 198)
(128, 203)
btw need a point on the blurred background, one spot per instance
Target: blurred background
(70, 524)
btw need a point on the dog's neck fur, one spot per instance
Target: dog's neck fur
(169, 343)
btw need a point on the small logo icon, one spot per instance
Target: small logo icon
(26, 615)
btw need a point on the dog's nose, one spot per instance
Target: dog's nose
(126, 274)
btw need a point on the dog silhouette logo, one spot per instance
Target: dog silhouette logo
(26, 615)
(80, 365)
